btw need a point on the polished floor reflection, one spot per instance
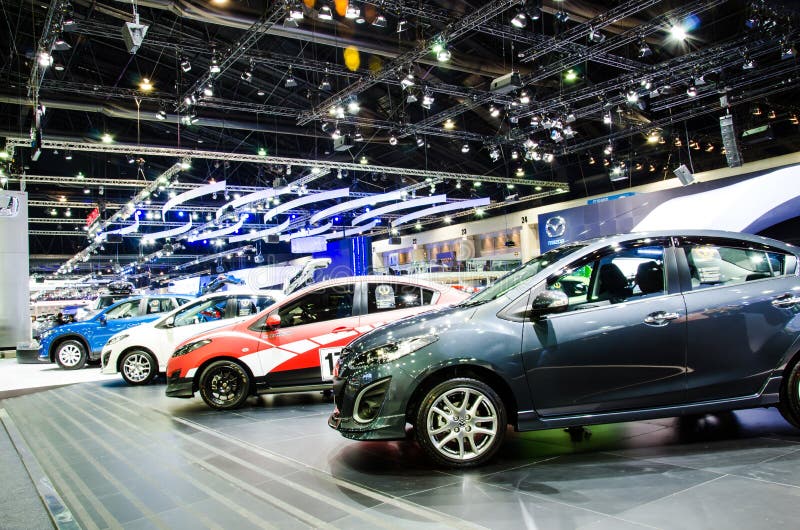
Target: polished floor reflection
(130, 457)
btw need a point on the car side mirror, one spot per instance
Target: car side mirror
(170, 322)
(102, 320)
(548, 302)
(273, 321)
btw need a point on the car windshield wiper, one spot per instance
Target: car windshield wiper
(471, 303)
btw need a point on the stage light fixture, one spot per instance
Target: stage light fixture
(465, 148)
(520, 19)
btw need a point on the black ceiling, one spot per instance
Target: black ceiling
(96, 90)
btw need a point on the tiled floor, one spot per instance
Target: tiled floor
(130, 457)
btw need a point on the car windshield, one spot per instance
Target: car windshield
(516, 277)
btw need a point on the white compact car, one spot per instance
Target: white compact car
(142, 352)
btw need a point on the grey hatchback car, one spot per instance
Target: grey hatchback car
(667, 324)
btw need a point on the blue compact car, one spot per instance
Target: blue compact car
(72, 345)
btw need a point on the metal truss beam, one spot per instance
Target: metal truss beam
(563, 41)
(48, 143)
(450, 33)
(250, 38)
(52, 23)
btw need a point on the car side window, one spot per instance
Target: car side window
(159, 305)
(128, 309)
(206, 311)
(250, 305)
(319, 306)
(390, 296)
(712, 265)
(615, 275)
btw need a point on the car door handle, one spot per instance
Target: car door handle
(785, 300)
(342, 329)
(660, 318)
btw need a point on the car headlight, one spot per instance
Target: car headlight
(46, 333)
(392, 351)
(116, 338)
(192, 346)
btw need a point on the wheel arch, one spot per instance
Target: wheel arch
(205, 364)
(474, 371)
(126, 351)
(60, 340)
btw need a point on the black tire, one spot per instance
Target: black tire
(138, 367)
(71, 355)
(790, 396)
(224, 385)
(449, 434)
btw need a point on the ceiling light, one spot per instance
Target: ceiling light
(407, 81)
(260, 92)
(514, 154)
(678, 32)
(336, 134)
(214, 68)
(494, 112)
(562, 17)
(379, 21)
(393, 140)
(68, 213)
(449, 124)
(61, 45)
(185, 64)
(45, 59)
(325, 12)
(608, 149)
(748, 63)
(677, 142)
(411, 98)
(607, 118)
(161, 114)
(363, 160)
(353, 106)
(291, 82)
(524, 97)
(208, 90)
(596, 36)
(632, 96)
(520, 173)
(420, 141)
(787, 50)
(247, 75)
(53, 212)
(592, 161)
(352, 12)
(644, 49)
(691, 91)
(520, 19)
(107, 138)
(443, 55)
(616, 174)
(145, 85)
(653, 138)
(358, 137)
(325, 85)
(571, 75)
(494, 154)
(59, 67)
(296, 11)
(465, 148)
(709, 148)
(401, 25)
(67, 155)
(427, 100)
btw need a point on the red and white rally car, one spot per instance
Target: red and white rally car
(293, 345)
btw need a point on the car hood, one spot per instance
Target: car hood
(429, 322)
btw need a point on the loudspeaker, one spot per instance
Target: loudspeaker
(395, 241)
(273, 238)
(684, 175)
(728, 133)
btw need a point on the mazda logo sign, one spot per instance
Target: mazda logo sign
(9, 205)
(555, 226)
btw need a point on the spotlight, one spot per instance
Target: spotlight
(494, 154)
(562, 17)
(520, 19)
(678, 32)
(427, 100)
(352, 12)
(420, 141)
(379, 21)
(411, 98)
(494, 112)
(325, 13)
(596, 36)
(401, 25)
(208, 90)
(45, 59)
(748, 63)
(145, 85)
(465, 148)
(520, 172)
(644, 49)
(787, 50)
(353, 106)
(632, 96)
(608, 149)
(131, 159)
(607, 118)
(407, 81)
(247, 75)
(59, 67)
(392, 139)
(691, 91)
(358, 137)
(291, 82)
(524, 97)
(214, 67)
(161, 114)
(449, 124)
(443, 55)
(296, 11)
(325, 85)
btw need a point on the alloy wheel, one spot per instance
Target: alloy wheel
(462, 424)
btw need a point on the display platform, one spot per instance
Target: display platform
(131, 457)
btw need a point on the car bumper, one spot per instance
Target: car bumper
(107, 365)
(390, 421)
(180, 387)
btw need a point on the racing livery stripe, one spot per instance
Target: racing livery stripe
(333, 337)
(270, 359)
(299, 346)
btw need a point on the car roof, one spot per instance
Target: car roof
(373, 278)
(751, 238)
